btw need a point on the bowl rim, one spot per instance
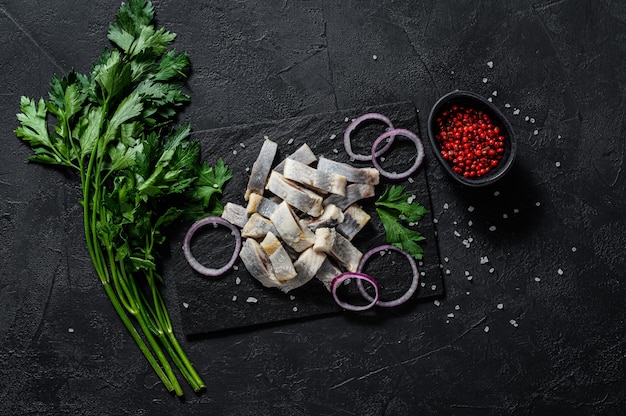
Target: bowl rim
(502, 120)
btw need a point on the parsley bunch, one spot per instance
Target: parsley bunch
(395, 207)
(138, 172)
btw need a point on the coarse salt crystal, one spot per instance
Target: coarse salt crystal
(457, 307)
(435, 220)
(456, 233)
(433, 287)
(446, 259)
(492, 270)
(252, 299)
(490, 99)
(445, 206)
(560, 272)
(558, 164)
(495, 93)
(532, 120)
(507, 105)
(470, 223)
(70, 330)
(437, 303)
(234, 298)
(450, 315)
(492, 228)
(486, 329)
(243, 145)
(535, 132)
(500, 306)
(526, 118)
(484, 260)
(470, 278)
(496, 193)
(185, 305)
(295, 309)
(374, 57)
(574, 249)
(290, 141)
(505, 216)
(485, 80)
(234, 152)
(265, 136)
(515, 211)
(537, 279)
(537, 203)
(411, 180)
(490, 64)
(514, 323)
(237, 280)
(516, 111)
(470, 208)
(292, 297)
(448, 271)
(467, 273)
(333, 136)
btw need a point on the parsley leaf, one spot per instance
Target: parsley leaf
(394, 207)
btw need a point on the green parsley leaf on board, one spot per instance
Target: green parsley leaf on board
(395, 208)
(139, 173)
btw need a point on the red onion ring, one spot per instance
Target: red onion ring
(357, 121)
(359, 277)
(406, 295)
(194, 263)
(393, 133)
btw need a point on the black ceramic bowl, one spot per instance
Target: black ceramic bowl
(471, 100)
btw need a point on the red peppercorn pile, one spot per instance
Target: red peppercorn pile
(469, 141)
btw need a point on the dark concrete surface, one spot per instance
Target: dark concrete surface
(537, 330)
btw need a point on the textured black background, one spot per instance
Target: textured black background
(538, 330)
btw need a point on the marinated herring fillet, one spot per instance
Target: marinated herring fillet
(354, 192)
(354, 219)
(329, 241)
(303, 154)
(353, 174)
(235, 214)
(290, 230)
(257, 227)
(314, 178)
(261, 168)
(300, 198)
(261, 205)
(281, 263)
(258, 263)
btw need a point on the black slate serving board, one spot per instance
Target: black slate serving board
(237, 300)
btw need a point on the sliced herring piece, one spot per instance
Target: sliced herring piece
(314, 178)
(329, 241)
(261, 168)
(261, 205)
(281, 263)
(354, 192)
(327, 272)
(331, 217)
(354, 219)
(303, 154)
(258, 263)
(307, 264)
(235, 214)
(303, 199)
(257, 227)
(353, 174)
(290, 230)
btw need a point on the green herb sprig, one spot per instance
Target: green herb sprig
(138, 173)
(396, 208)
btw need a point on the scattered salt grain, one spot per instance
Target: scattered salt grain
(470, 208)
(492, 270)
(215, 186)
(70, 330)
(558, 164)
(435, 220)
(235, 152)
(433, 287)
(237, 280)
(235, 267)
(495, 93)
(486, 329)
(537, 203)
(485, 80)
(484, 260)
(456, 233)
(292, 297)
(234, 298)
(252, 299)
(532, 120)
(423, 284)
(448, 271)
(496, 193)
(492, 228)
(514, 323)
(290, 141)
(574, 249)
(516, 111)
(505, 216)
(333, 136)
(346, 119)
(450, 315)
(526, 118)
(411, 180)
(537, 279)
(446, 259)
(507, 105)
(490, 64)
(457, 307)
(470, 223)
(535, 132)
(185, 305)
(243, 145)
(500, 306)
(490, 99)
(515, 211)
(467, 273)
(560, 272)
(295, 309)
(437, 303)
(445, 206)
(470, 278)
(374, 57)
(265, 137)
(335, 151)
